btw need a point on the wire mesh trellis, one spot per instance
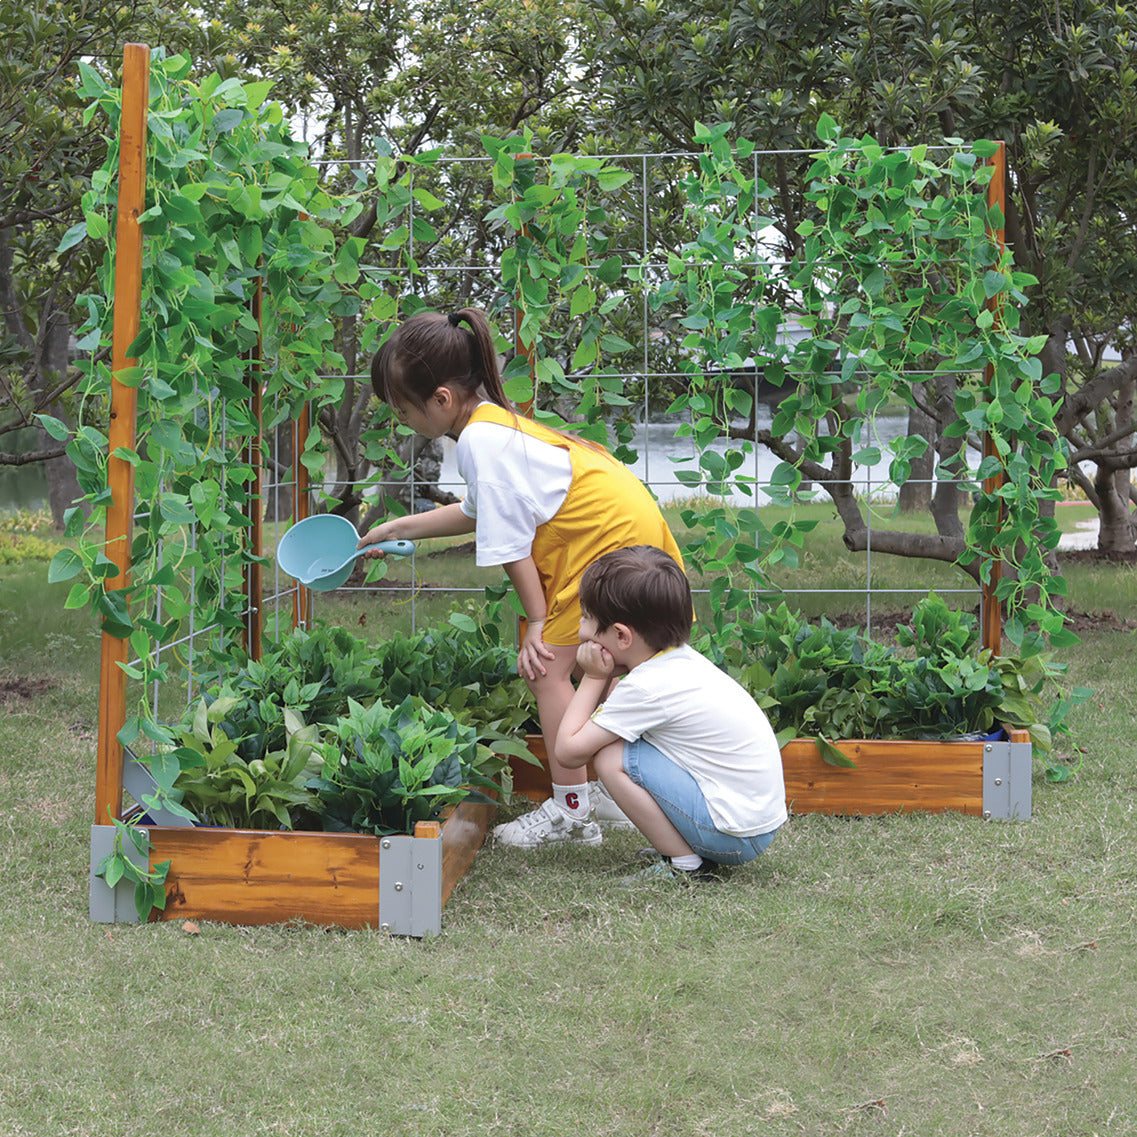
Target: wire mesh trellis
(645, 228)
(641, 239)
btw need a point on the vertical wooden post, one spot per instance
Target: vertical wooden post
(992, 622)
(123, 413)
(254, 577)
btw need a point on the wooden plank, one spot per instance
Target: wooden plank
(243, 876)
(991, 610)
(463, 834)
(254, 455)
(123, 413)
(891, 776)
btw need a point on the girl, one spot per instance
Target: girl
(541, 503)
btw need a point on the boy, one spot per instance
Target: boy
(681, 747)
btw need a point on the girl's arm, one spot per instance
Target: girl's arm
(527, 584)
(445, 521)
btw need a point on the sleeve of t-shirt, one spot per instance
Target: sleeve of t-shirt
(629, 711)
(513, 484)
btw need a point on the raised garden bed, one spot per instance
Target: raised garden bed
(401, 884)
(989, 778)
(398, 884)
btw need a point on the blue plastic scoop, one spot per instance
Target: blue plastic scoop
(319, 551)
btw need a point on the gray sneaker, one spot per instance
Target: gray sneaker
(547, 824)
(605, 809)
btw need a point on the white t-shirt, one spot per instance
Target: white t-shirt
(707, 723)
(514, 483)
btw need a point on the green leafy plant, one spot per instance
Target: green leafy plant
(267, 792)
(233, 206)
(386, 768)
(460, 670)
(822, 682)
(313, 673)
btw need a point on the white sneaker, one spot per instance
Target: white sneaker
(548, 823)
(605, 809)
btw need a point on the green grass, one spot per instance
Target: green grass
(901, 975)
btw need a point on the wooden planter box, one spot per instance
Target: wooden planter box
(398, 884)
(989, 779)
(401, 884)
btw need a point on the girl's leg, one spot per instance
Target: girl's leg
(567, 816)
(553, 692)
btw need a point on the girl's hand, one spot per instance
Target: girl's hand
(383, 532)
(532, 651)
(595, 660)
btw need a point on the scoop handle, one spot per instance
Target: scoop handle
(391, 548)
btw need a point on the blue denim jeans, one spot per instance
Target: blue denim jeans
(679, 796)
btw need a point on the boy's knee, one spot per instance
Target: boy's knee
(609, 761)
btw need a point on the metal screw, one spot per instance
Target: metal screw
(384, 927)
(986, 815)
(385, 844)
(421, 867)
(399, 886)
(998, 781)
(988, 748)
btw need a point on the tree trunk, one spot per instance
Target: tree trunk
(916, 493)
(62, 482)
(1116, 534)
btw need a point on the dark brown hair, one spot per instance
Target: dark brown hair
(431, 350)
(643, 587)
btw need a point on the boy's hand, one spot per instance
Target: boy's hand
(595, 660)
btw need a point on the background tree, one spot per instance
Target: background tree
(47, 154)
(1057, 83)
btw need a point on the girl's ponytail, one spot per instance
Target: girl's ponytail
(431, 350)
(485, 369)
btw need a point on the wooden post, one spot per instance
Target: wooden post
(254, 577)
(992, 628)
(123, 413)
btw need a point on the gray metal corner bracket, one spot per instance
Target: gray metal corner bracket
(1007, 772)
(410, 885)
(111, 905)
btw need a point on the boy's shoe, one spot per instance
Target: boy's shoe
(661, 869)
(546, 825)
(604, 807)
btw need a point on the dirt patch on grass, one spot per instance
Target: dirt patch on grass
(1096, 557)
(16, 690)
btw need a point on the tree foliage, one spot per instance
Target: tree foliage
(1057, 83)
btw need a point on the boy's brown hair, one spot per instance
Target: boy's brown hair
(643, 587)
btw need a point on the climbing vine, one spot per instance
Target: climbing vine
(895, 278)
(232, 207)
(894, 275)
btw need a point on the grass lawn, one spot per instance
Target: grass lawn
(899, 975)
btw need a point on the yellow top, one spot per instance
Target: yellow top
(607, 507)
